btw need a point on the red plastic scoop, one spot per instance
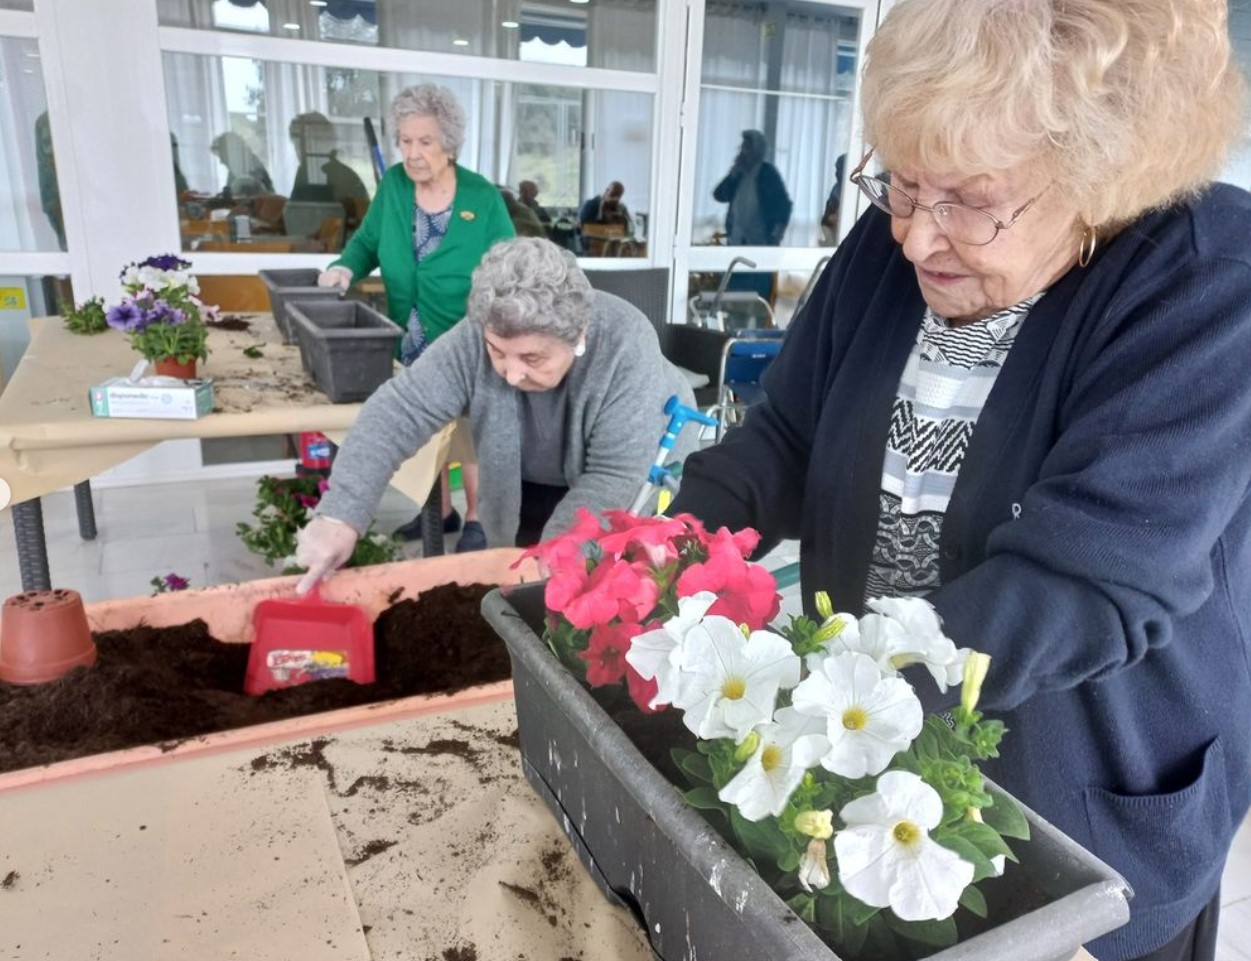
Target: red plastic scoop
(308, 640)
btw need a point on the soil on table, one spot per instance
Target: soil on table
(163, 685)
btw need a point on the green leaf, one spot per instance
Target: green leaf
(704, 798)
(982, 868)
(974, 901)
(693, 764)
(788, 863)
(939, 934)
(1006, 817)
(762, 840)
(845, 920)
(982, 835)
(804, 905)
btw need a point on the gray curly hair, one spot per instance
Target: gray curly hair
(431, 100)
(531, 286)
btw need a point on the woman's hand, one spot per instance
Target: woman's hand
(335, 277)
(323, 546)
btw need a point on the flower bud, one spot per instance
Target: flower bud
(824, 606)
(815, 824)
(975, 668)
(749, 747)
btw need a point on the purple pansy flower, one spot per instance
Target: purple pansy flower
(126, 316)
(166, 262)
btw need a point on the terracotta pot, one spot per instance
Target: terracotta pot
(170, 367)
(44, 634)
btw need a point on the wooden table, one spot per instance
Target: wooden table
(50, 440)
(416, 838)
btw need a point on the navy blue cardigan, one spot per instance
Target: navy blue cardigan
(1097, 542)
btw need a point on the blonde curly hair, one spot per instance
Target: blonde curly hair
(1125, 105)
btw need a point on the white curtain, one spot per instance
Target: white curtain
(621, 35)
(196, 99)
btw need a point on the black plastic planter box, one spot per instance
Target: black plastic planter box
(694, 895)
(286, 286)
(347, 347)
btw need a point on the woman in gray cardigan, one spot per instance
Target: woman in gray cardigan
(564, 387)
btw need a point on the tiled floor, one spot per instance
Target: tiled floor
(189, 529)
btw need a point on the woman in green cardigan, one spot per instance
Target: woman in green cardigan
(427, 228)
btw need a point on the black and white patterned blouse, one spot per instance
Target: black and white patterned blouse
(944, 386)
(428, 232)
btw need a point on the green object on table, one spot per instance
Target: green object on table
(787, 575)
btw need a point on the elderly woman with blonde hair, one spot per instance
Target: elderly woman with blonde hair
(427, 228)
(565, 388)
(1022, 389)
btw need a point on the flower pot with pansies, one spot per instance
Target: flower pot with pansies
(754, 792)
(163, 314)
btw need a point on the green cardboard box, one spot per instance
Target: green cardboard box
(119, 397)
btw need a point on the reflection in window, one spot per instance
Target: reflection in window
(22, 298)
(774, 121)
(277, 157)
(17, 5)
(30, 201)
(615, 34)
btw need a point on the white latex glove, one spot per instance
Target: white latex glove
(323, 545)
(335, 277)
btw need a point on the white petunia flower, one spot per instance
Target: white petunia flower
(730, 682)
(657, 655)
(787, 748)
(920, 638)
(869, 717)
(886, 857)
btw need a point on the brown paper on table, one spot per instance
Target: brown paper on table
(449, 849)
(49, 440)
(187, 860)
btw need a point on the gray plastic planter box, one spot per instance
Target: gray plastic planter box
(694, 895)
(286, 286)
(347, 347)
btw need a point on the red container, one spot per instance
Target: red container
(298, 641)
(316, 453)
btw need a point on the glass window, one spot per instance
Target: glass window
(22, 298)
(774, 122)
(614, 34)
(1238, 169)
(17, 5)
(277, 157)
(30, 203)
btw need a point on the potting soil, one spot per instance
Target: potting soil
(163, 685)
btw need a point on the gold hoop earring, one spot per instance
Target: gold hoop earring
(1086, 248)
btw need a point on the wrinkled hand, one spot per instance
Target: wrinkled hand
(335, 277)
(323, 545)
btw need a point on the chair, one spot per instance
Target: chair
(700, 350)
(647, 289)
(241, 292)
(330, 234)
(744, 359)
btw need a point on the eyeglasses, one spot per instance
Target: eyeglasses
(959, 222)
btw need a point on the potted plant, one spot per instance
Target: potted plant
(162, 314)
(826, 795)
(283, 506)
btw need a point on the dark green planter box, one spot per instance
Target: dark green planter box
(694, 895)
(348, 348)
(287, 286)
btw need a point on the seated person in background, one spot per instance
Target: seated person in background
(321, 174)
(528, 194)
(607, 209)
(246, 176)
(525, 221)
(565, 390)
